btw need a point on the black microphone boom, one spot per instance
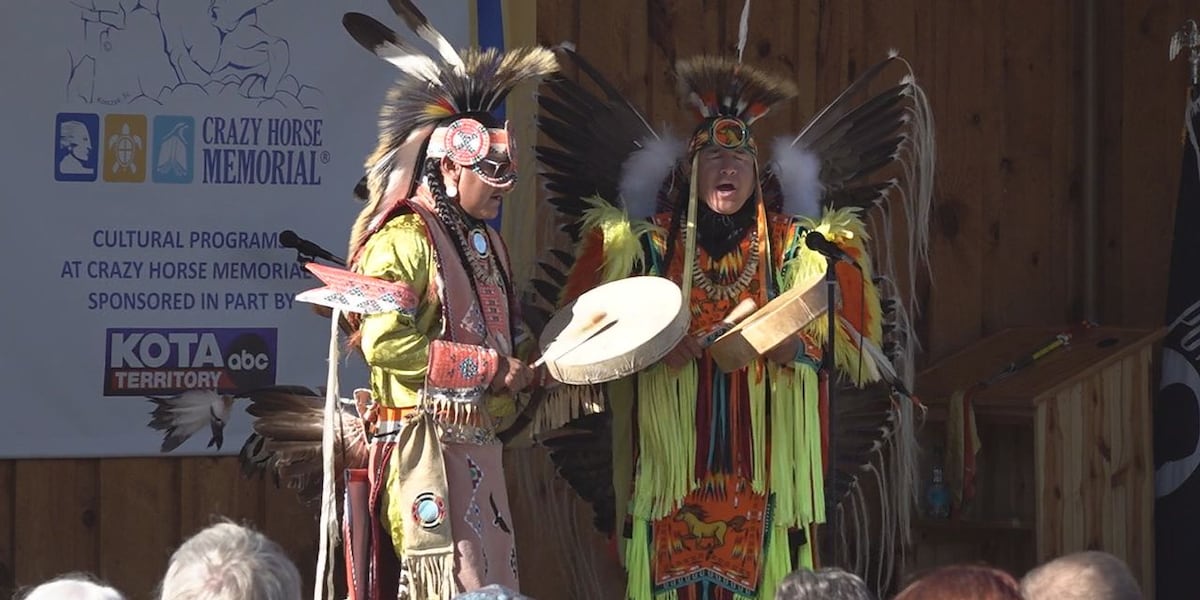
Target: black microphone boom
(289, 239)
(819, 243)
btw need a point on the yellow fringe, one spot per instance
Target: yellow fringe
(789, 499)
(844, 227)
(778, 562)
(757, 384)
(810, 424)
(621, 402)
(666, 440)
(622, 246)
(637, 562)
(807, 554)
(796, 468)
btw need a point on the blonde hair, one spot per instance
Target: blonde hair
(1088, 575)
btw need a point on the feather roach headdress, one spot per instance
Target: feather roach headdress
(418, 119)
(729, 96)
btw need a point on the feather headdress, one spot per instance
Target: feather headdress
(427, 93)
(723, 87)
(728, 96)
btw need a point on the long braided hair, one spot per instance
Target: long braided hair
(457, 221)
(454, 219)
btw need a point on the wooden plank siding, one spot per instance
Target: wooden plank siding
(121, 518)
(1005, 81)
(1094, 467)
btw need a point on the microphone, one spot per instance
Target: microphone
(819, 243)
(289, 239)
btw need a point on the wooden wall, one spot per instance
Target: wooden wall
(122, 518)
(1005, 81)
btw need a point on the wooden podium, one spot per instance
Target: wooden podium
(1065, 462)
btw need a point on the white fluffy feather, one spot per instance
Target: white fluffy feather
(644, 171)
(743, 29)
(799, 172)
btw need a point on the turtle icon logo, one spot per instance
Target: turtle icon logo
(125, 143)
(125, 148)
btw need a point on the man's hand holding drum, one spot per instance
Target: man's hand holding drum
(512, 375)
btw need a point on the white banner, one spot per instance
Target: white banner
(156, 148)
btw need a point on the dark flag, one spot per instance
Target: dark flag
(1177, 406)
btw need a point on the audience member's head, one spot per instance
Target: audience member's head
(829, 583)
(492, 592)
(1082, 575)
(963, 582)
(72, 586)
(229, 562)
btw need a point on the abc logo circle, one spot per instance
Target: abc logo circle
(248, 362)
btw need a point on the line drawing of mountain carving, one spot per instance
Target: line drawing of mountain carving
(156, 51)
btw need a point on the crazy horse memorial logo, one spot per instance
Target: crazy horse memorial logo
(146, 57)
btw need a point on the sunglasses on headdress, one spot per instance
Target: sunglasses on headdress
(496, 171)
(727, 133)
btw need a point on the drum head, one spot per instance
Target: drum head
(648, 318)
(761, 332)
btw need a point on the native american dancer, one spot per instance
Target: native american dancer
(719, 478)
(443, 370)
(429, 299)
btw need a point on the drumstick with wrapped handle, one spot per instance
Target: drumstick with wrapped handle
(596, 322)
(744, 309)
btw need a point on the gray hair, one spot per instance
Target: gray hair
(1088, 575)
(227, 561)
(72, 586)
(829, 583)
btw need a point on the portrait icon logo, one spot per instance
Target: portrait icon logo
(75, 154)
(174, 155)
(125, 138)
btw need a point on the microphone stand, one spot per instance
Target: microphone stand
(828, 364)
(305, 258)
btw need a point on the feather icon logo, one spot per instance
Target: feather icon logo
(173, 149)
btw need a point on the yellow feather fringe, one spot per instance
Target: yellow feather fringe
(844, 227)
(622, 247)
